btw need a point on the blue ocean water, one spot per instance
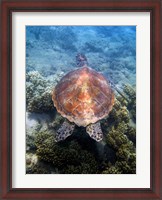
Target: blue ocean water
(110, 50)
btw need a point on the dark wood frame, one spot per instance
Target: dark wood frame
(9, 6)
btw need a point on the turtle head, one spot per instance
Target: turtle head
(81, 60)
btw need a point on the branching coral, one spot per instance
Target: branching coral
(38, 93)
(120, 136)
(35, 166)
(131, 134)
(125, 149)
(68, 157)
(31, 161)
(56, 122)
(30, 143)
(119, 113)
(112, 170)
(71, 157)
(131, 93)
(116, 136)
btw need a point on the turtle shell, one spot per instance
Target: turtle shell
(83, 96)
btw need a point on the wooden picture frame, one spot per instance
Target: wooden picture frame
(7, 8)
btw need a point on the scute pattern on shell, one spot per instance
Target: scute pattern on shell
(83, 96)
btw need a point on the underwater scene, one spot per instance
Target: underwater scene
(80, 100)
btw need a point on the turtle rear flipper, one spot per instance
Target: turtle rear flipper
(64, 131)
(95, 132)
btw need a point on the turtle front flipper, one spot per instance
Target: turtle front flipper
(95, 132)
(64, 131)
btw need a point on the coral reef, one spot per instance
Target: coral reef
(119, 113)
(131, 93)
(31, 161)
(36, 166)
(56, 37)
(59, 38)
(67, 157)
(38, 92)
(119, 137)
(111, 169)
(30, 142)
(71, 157)
(79, 154)
(131, 134)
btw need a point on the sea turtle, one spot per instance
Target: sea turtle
(83, 97)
